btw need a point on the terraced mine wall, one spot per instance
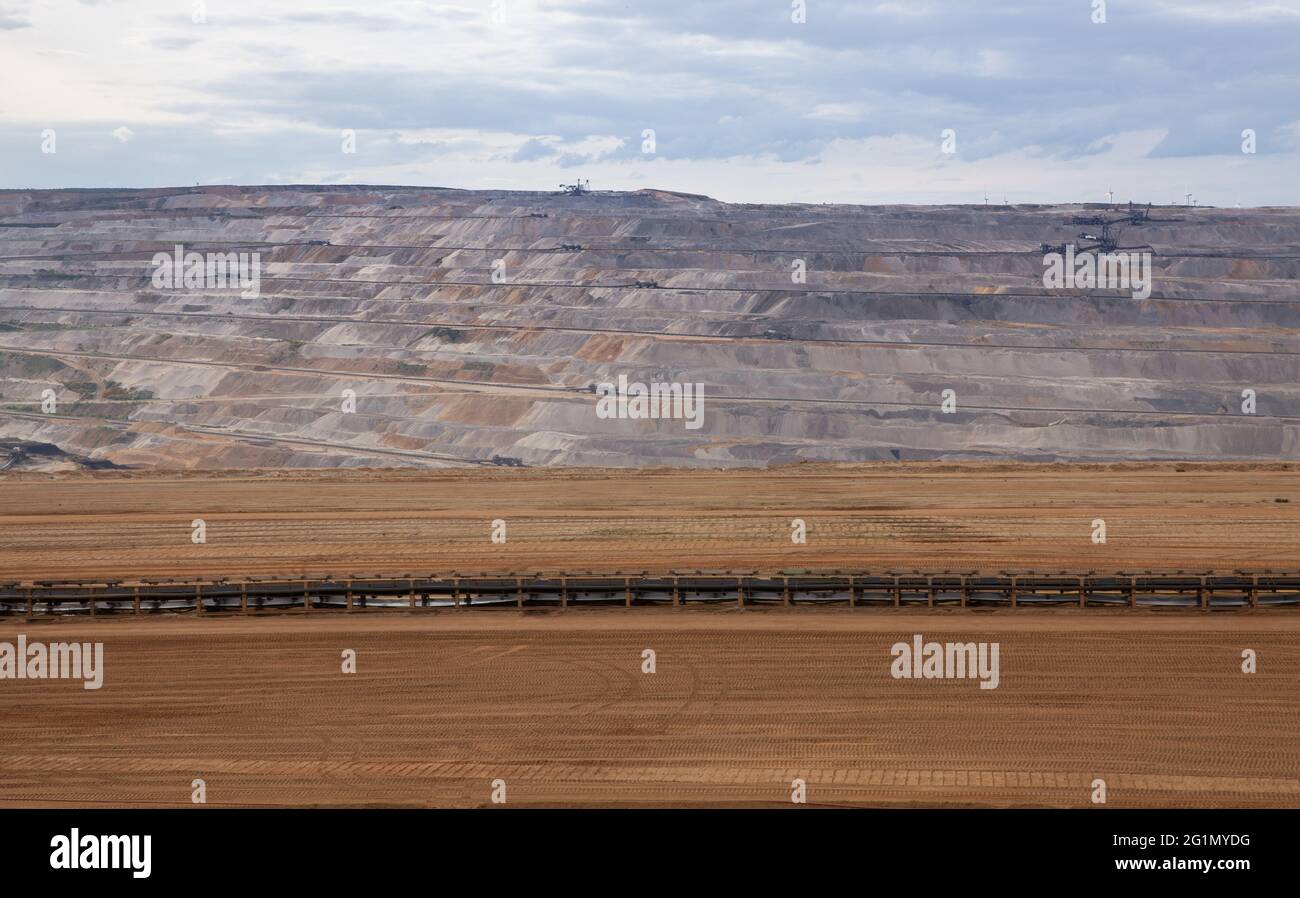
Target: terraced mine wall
(430, 327)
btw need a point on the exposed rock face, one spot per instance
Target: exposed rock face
(396, 294)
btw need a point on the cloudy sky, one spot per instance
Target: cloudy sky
(744, 103)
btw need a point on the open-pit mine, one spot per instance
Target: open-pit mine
(400, 496)
(405, 326)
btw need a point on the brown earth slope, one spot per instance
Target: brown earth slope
(741, 703)
(932, 517)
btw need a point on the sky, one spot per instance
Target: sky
(907, 101)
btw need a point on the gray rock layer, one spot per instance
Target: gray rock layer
(390, 293)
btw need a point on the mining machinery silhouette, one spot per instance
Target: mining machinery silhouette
(1102, 236)
(1136, 215)
(1105, 240)
(577, 188)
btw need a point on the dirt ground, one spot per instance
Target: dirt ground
(741, 703)
(928, 517)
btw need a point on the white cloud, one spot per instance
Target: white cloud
(838, 112)
(1231, 11)
(910, 9)
(745, 105)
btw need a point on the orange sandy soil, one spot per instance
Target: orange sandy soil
(742, 702)
(931, 517)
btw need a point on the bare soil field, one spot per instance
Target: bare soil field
(741, 703)
(931, 517)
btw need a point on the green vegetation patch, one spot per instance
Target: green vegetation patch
(29, 365)
(445, 334)
(116, 391)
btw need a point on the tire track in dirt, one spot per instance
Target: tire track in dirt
(926, 517)
(736, 710)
